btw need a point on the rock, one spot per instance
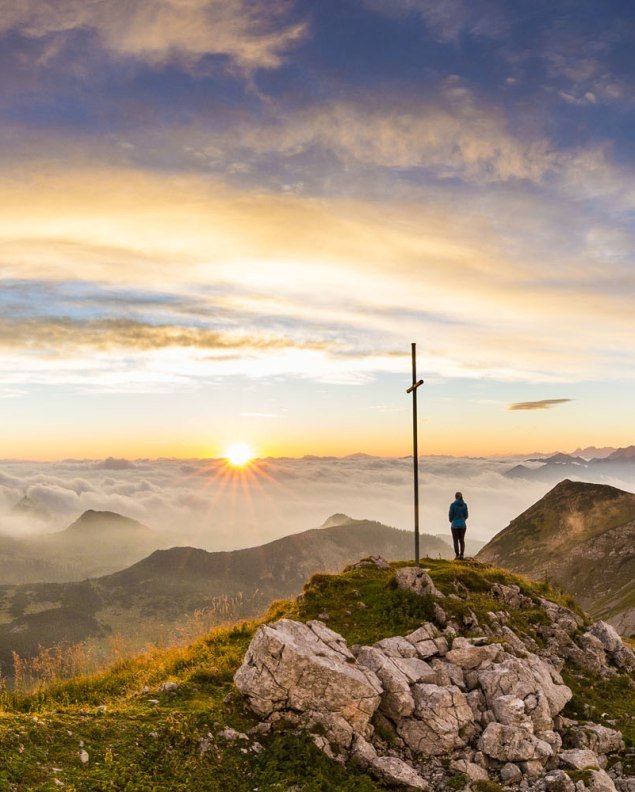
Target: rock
(461, 590)
(512, 744)
(600, 781)
(607, 635)
(388, 768)
(397, 647)
(83, 756)
(396, 699)
(441, 716)
(467, 656)
(558, 781)
(419, 582)
(372, 561)
(169, 687)
(423, 640)
(440, 616)
(595, 737)
(624, 657)
(306, 670)
(473, 771)
(510, 710)
(532, 768)
(511, 595)
(511, 773)
(579, 758)
(231, 734)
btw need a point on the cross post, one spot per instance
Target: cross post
(415, 450)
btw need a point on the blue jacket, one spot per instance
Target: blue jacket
(458, 514)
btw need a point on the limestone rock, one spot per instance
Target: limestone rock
(419, 582)
(607, 635)
(596, 737)
(473, 771)
(600, 782)
(579, 758)
(372, 561)
(467, 656)
(511, 773)
(396, 699)
(388, 768)
(558, 781)
(511, 595)
(307, 668)
(441, 715)
(512, 744)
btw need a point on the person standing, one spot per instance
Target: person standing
(458, 516)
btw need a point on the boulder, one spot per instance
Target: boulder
(510, 773)
(372, 561)
(512, 744)
(596, 737)
(511, 595)
(441, 716)
(599, 781)
(558, 781)
(473, 771)
(388, 768)
(396, 698)
(419, 582)
(308, 671)
(607, 635)
(579, 759)
(468, 656)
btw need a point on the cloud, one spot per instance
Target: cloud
(63, 334)
(200, 502)
(542, 404)
(454, 135)
(250, 33)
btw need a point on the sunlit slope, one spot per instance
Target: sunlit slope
(161, 591)
(581, 537)
(140, 733)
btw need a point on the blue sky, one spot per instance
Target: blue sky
(227, 220)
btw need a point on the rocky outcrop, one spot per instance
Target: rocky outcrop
(408, 704)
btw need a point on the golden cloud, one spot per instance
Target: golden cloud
(252, 33)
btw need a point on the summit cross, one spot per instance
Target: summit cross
(415, 450)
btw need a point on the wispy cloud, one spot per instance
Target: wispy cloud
(250, 33)
(541, 404)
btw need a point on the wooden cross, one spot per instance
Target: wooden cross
(415, 450)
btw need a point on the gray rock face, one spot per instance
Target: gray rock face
(513, 744)
(600, 782)
(595, 737)
(491, 709)
(441, 715)
(579, 759)
(419, 582)
(307, 668)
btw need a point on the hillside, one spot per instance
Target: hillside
(97, 543)
(163, 590)
(173, 720)
(581, 537)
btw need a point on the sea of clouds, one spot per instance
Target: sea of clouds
(204, 503)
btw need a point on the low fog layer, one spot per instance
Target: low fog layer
(206, 504)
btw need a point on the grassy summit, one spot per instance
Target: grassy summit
(140, 736)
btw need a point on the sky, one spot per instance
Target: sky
(227, 220)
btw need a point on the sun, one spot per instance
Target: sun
(238, 454)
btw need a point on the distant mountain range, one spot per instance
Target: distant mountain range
(582, 538)
(97, 543)
(616, 463)
(169, 585)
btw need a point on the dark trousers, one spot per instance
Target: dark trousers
(458, 537)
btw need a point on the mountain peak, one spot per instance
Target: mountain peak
(336, 519)
(92, 520)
